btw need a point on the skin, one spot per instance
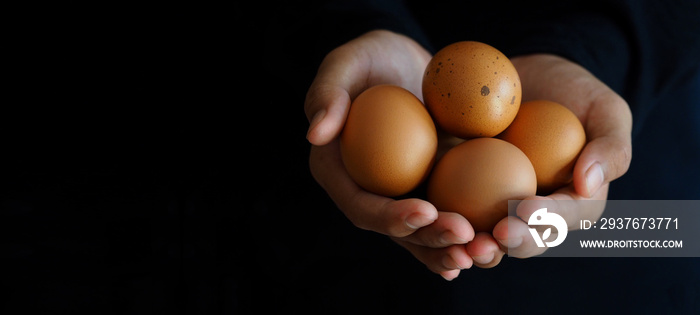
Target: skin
(445, 242)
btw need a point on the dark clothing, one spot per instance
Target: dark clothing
(156, 182)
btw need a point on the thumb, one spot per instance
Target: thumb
(377, 57)
(602, 161)
(608, 154)
(326, 108)
(341, 76)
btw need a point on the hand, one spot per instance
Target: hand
(607, 121)
(380, 57)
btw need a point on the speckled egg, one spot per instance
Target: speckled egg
(471, 89)
(389, 141)
(552, 137)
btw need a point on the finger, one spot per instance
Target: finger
(450, 274)
(377, 57)
(443, 261)
(339, 79)
(327, 108)
(367, 211)
(450, 228)
(566, 203)
(514, 236)
(485, 250)
(608, 153)
(601, 161)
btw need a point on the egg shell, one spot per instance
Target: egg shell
(389, 141)
(477, 178)
(471, 89)
(552, 137)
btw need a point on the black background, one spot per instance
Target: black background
(157, 162)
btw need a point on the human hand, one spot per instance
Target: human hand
(379, 57)
(607, 120)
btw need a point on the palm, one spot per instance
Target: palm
(607, 121)
(605, 116)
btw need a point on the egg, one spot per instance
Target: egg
(476, 179)
(552, 137)
(471, 89)
(389, 141)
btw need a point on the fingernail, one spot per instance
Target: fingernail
(315, 120)
(484, 259)
(417, 221)
(511, 242)
(594, 179)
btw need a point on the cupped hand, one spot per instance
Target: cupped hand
(607, 120)
(437, 238)
(379, 57)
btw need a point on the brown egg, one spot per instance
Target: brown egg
(552, 137)
(389, 141)
(477, 178)
(471, 89)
